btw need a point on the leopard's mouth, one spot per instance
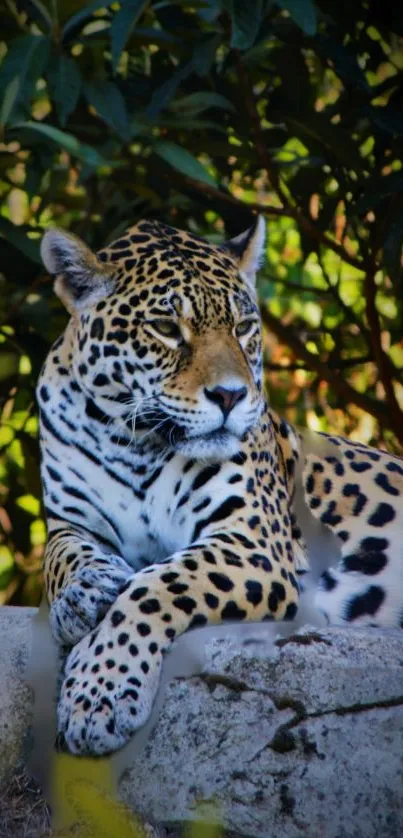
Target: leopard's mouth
(175, 435)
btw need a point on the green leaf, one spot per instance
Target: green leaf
(34, 66)
(376, 190)
(9, 100)
(37, 11)
(204, 54)
(62, 139)
(26, 59)
(163, 94)
(122, 25)
(303, 13)
(183, 161)
(17, 58)
(110, 105)
(83, 16)
(17, 236)
(190, 123)
(246, 19)
(201, 101)
(64, 81)
(210, 10)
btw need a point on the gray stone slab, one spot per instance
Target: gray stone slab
(295, 737)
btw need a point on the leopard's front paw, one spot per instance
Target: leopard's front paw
(111, 680)
(81, 605)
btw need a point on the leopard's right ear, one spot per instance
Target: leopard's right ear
(82, 279)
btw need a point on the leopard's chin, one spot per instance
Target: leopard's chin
(220, 444)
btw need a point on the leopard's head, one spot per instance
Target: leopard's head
(166, 332)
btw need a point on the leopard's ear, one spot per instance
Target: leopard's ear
(82, 279)
(249, 249)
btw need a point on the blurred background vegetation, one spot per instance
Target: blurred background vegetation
(199, 113)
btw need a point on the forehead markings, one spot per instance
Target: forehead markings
(195, 268)
(235, 308)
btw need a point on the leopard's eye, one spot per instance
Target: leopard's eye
(167, 328)
(244, 328)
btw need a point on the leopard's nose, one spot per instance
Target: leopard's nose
(225, 398)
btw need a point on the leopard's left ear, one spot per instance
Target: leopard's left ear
(82, 279)
(249, 249)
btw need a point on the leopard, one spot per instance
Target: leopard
(170, 484)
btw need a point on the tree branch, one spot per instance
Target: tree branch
(283, 212)
(382, 360)
(289, 207)
(342, 388)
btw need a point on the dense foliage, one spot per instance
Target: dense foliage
(202, 112)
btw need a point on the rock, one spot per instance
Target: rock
(15, 694)
(295, 737)
(305, 739)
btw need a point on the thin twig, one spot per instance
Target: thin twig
(333, 363)
(296, 286)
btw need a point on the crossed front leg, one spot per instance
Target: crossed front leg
(82, 581)
(112, 674)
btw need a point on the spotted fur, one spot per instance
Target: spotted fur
(169, 483)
